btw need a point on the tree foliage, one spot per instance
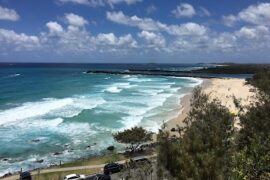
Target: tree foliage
(133, 136)
(204, 147)
(208, 147)
(252, 160)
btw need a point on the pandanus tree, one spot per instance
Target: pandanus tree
(134, 137)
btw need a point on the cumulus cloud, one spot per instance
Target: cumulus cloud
(259, 33)
(149, 24)
(71, 35)
(75, 20)
(111, 39)
(184, 10)
(95, 3)
(18, 41)
(152, 39)
(229, 20)
(77, 40)
(255, 14)
(247, 38)
(54, 27)
(8, 14)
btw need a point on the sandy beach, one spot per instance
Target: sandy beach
(223, 89)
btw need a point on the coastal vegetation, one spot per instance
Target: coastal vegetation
(134, 137)
(233, 69)
(204, 146)
(209, 147)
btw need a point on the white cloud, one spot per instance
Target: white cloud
(135, 21)
(54, 27)
(128, 2)
(72, 39)
(8, 14)
(153, 39)
(149, 24)
(255, 14)
(95, 3)
(75, 20)
(247, 38)
(224, 42)
(76, 39)
(187, 29)
(229, 20)
(257, 32)
(184, 10)
(111, 39)
(15, 41)
(92, 3)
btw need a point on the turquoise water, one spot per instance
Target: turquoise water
(45, 110)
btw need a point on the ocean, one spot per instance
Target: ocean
(55, 112)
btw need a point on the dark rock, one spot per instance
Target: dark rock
(7, 174)
(66, 145)
(40, 161)
(58, 153)
(5, 159)
(94, 144)
(110, 148)
(173, 130)
(88, 147)
(36, 140)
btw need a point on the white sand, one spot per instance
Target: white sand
(224, 90)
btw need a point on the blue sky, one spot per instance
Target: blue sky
(137, 31)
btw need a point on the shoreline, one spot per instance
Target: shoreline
(185, 108)
(224, 89)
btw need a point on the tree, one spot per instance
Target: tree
(261, 81)
(252, 160)
(204, 148)
(134, 136)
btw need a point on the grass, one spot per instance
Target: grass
(96, 160)
(61, 175)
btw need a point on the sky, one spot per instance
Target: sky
(135, 31)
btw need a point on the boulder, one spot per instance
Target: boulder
(110, 148)
(40, 161)
(58, 153)
(36, 140)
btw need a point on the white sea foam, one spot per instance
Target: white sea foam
(66, 107)
(137, 113)
(127, 76)
(195, 81)
(131, 121)
(14, 75)
(141, 79)
(125, 85)
(39, 124)
(151, 92)
(113, 89)
(118, 87)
